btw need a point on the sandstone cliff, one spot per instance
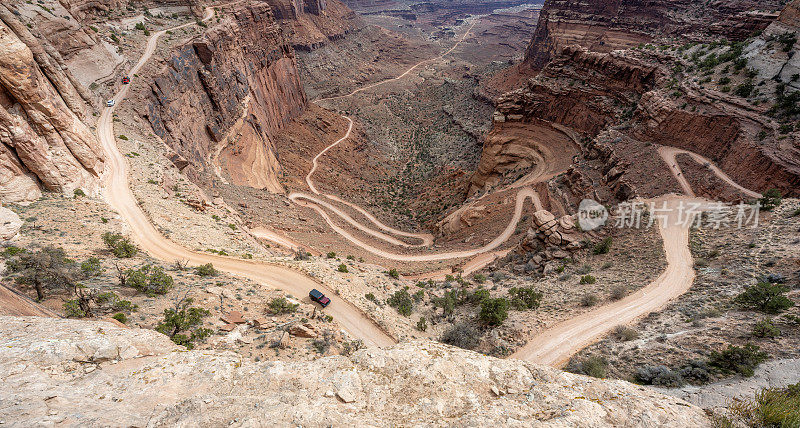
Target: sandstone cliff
(311, 24)
(221, 98)
(43, 140)
(606, 25)
(97, 374)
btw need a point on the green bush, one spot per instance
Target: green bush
(331, 255)
(401, 301)
(183, 324)
(480, 278)
(494, 311)
(603, 247)
(770, 199)
(619, 292)
(206, 270)
(121, 317)
(280, 306)
(588, 279)
(448, 302)
(11, 251)
(765, 328)
(119, 245)
(740, 360)
(140, 26)
(393, 273)
(765, 297)
(72, 309)
(342, 268)
(92, 267)
(422, 324)
(659, 376)
(592, 366)
(525, 298)
(478, 296)
(44, 270)
(150, 280)
(79, 193)
(370, 297)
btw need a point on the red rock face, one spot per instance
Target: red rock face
(223, 97)
(43, 141)
(605, 25)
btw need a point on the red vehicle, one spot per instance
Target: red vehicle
(318, 297)
(126, 80)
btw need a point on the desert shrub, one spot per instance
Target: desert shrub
(735, 359)
(323, 343)
(331, 255)
(525, 298)
(150, 280)
(79, 193)
(422, 324)
(480, 278)
(280, 306)
(121, 317)
(183, 324)
(771, 407)
(765, 297)
(371, 297)
(494, 311)
(478, 296)
(11, 251)
(302, 255)
(342, 268)
(589, 299)
(92, 267)
(765, 328)
(658, 376)
(47, 269)
(140, 26)
(588, 279)
(401, 301)
(770, 199)
(603, 247)
(593, 366)
(393, 273)
(351, 346)
(72, 309)
(447, 302)
(119, 245)
(418, 296)
(206, 270)
(619, 292)
(796, 213)
(745, 89)
(696, 371)
(463, 335)
(624, 333)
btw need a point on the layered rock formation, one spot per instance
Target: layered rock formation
(43, 140)
(85, 373)
(10, 223)
(310, 24)
(240, 79)
(605, 25)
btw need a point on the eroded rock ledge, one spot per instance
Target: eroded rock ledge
(97, 374)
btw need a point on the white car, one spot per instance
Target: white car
(110, 103)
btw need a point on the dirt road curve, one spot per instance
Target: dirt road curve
(557, 344)
(120, 197)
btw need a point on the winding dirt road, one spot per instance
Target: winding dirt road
(120, 197)
(555, 345)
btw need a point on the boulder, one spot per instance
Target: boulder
(543, 217)
(301, 330)
(10, 223)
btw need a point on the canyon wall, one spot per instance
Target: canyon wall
(222, 97)
(44, 142)
(605, 25)
(310, 24)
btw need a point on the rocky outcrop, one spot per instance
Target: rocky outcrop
(221, 98)
(43, 141)
(97, 374)
(310, 24)
(606, 25)
(10, 223)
